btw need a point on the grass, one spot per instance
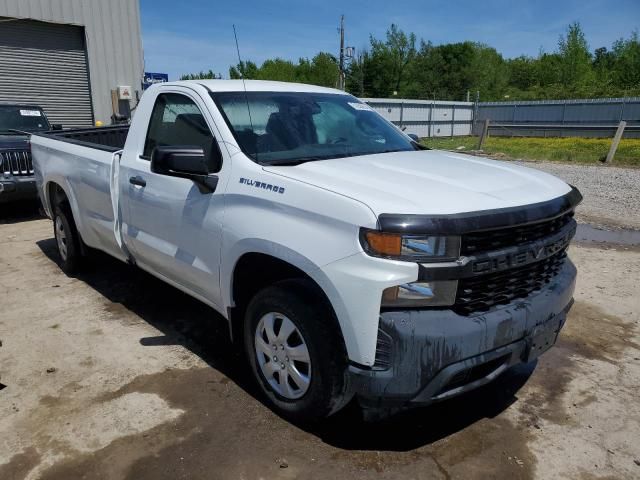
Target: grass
(568, 150)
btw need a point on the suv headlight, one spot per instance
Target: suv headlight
(411, 248)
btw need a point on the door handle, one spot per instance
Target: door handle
(138, 181)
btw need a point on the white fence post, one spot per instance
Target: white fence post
(616, 142)
(483, 135)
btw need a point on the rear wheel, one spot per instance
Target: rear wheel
(67, 240)
(295, 352)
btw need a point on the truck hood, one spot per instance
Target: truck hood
(428, 182)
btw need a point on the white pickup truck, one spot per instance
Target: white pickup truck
(348, 259)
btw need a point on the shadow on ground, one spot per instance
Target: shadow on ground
(16, 212)
(185, 321)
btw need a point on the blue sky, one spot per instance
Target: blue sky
(194, 35)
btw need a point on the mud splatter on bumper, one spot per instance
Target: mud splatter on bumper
(437, 354)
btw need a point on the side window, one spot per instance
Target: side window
(177, 121)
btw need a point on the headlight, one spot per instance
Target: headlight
(413, 248)
(440, 293)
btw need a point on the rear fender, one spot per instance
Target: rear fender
(63, 183)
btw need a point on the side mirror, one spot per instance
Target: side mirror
(183, 162)
(56, 126)
(414, 137)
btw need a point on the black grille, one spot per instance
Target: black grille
(479, 294)
(16, 162)
(476, 242)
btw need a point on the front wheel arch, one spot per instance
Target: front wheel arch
(255, 271)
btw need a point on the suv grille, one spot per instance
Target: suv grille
(16, 162)
(479, 294)
(476, 242)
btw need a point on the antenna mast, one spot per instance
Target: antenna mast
(244, 85)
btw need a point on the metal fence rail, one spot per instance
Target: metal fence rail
(558, 130)
(560, 118)
(426, 118)
(551, 118)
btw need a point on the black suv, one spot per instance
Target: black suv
(17, 181)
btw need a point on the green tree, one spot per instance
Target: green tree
(201, 76)
(277, 69)
(357, 73)
(449, 71)
(426, 73)
(626, 69)
(522, 75)
(322, 70)
(575, 59)
(488, 73)
(445, 72)
(603, 59)
(248, 70)
(389, 60)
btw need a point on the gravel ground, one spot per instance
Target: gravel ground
(115, 375)
(611, 194)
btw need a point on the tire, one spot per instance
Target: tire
(67, 240)
(293, 304)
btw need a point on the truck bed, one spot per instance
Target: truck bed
(86, 159)
(109, 139)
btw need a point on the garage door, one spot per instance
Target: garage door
(46, 64)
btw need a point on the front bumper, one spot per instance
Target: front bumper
(17, 188)
(431, 355)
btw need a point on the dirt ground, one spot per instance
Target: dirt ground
(115, 375)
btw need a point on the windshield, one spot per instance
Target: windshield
(30, 119)
(291, 128)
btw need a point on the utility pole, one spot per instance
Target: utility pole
(346, 55)
(342, 75)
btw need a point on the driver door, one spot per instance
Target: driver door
(175, 227)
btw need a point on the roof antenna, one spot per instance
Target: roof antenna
(246, 96)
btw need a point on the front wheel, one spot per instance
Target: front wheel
(295, 352)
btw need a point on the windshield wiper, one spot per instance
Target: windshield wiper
(390, 151)
(313, 158)
(299, 160)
